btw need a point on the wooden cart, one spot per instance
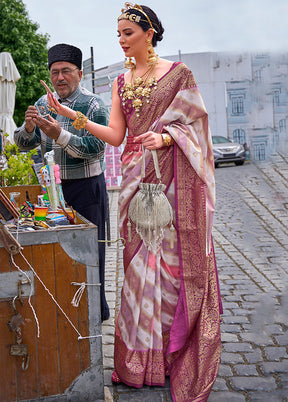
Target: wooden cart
(61, 364)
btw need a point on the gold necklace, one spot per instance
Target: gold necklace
(138, 89)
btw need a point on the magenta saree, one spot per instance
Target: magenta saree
(169, 320)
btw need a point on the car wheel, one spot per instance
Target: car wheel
(216, 165)
(239, 163)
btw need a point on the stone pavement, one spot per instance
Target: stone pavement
(251, 244)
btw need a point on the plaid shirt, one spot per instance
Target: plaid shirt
(78, 153)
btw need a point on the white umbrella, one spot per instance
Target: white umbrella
(9, 75)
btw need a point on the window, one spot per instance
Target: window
(282, 125)
(276, 97)
(238, 105)
(257, 75)
(239, 136)
(259, 152)
(276, 138)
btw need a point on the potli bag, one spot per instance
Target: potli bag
(150, 210)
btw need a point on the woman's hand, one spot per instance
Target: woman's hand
(150, 140)
(56, 106)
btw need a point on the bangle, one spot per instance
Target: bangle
(167, 139)
(52, 109)
(80, 121)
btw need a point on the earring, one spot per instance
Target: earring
(129, 63)
(152, 56)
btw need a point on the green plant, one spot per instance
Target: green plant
(20, 36)
(19, 169)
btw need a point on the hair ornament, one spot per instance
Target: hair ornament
(126, 14)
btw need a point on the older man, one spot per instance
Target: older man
(79, 154)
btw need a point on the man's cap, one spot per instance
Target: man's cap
(64, 52)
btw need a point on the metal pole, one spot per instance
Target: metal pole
(92, 70)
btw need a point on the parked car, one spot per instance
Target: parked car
(225, 150)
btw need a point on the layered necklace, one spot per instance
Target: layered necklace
(139, 89)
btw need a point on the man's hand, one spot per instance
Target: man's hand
(30, 114)
(50, 127)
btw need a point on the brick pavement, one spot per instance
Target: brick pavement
(251, 245)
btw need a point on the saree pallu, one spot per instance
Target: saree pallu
(169, 322)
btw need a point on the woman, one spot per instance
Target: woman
(169, 321)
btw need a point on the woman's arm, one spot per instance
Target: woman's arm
(113, 134)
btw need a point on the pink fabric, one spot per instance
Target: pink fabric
(169, 323)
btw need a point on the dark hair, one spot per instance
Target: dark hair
(156, 23)
(144, 21)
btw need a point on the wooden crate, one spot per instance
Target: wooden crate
(61, 366)
(33, 192)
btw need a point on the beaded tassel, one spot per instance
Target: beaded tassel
(129, 231)
(172, 230)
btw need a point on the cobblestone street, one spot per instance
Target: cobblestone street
(251, 244)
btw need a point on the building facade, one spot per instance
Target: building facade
(246, 95)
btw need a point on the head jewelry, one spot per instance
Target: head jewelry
(127, 13)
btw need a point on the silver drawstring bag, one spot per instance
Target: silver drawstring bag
(150, 210)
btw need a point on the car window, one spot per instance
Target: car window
(219, 140)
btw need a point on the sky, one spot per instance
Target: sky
(190, 26)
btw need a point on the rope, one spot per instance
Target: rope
(30, 294)
(79, 292)
(17, 229)
(113, 241)
(52, 297)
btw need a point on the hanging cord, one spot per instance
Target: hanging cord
(30, 294)
(52, 297)
(79, 292)
(17, 228)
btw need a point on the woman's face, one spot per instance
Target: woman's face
(132, 38)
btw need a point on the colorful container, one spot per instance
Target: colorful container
(40, 213)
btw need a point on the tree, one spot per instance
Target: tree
(18, 36)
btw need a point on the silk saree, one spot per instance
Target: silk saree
(169, 319)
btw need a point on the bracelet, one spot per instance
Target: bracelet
(167, 139)
(80, 121)
(52, 109)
